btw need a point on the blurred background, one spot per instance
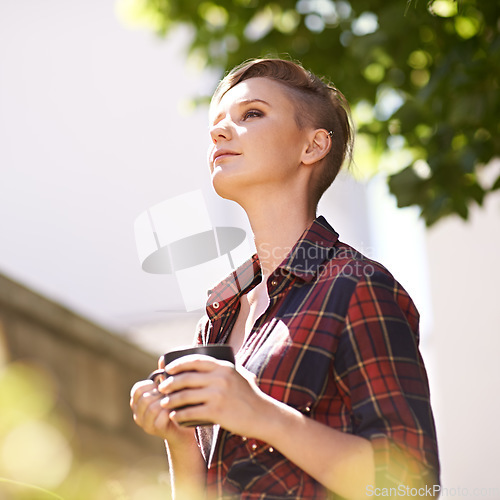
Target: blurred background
(103, 116)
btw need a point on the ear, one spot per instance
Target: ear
(320, 143)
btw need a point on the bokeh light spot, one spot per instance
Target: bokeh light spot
(36, 453)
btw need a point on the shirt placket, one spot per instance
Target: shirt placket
(276, 289)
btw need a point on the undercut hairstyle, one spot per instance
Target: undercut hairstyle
(317, 104)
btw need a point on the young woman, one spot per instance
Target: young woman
(329, 397)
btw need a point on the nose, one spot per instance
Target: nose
(221, 130)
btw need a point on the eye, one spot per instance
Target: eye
(252, 113)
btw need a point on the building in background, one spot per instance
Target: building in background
(65, 423)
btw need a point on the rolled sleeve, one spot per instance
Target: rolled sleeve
(381, 374)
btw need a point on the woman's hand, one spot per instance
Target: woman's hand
(220, 394)
(152, 417)
(342, 462)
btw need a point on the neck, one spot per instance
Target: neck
(277, 227)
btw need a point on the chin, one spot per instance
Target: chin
(221, 187)
(225, 186)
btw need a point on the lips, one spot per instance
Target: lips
(223, 153)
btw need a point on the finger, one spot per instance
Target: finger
(161, 422)
(153, 419)
(139, 388)
(140, 406)
(187, 397)
(184, 380)
(161, 361)
(197, 379)
(190, 414)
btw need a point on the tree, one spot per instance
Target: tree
(423, 78)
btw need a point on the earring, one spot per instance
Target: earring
(330, 133)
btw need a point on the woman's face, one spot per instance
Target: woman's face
(257, 144)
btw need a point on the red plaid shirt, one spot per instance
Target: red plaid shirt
(338, 342)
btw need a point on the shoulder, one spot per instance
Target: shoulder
(347, 268)
(352, 262)
(365, 283)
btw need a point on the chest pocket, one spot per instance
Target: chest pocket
(290, 365)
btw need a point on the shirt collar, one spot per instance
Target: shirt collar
(313, 248)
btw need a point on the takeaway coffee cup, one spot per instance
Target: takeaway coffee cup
(217, 351)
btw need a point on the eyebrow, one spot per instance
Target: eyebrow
(244, 102)
(251, 101)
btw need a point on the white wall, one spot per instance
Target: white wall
(464, 260)
(91, 135)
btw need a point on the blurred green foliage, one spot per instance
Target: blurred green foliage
(428, 72)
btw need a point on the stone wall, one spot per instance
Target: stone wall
(93, 371)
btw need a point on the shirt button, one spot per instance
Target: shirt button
(274, 283)
(271, 449)
(243, 438)
(215, 305)
(308, 409)
(254, 446)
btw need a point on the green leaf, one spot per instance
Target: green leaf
(408, 187)
(496, 185)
